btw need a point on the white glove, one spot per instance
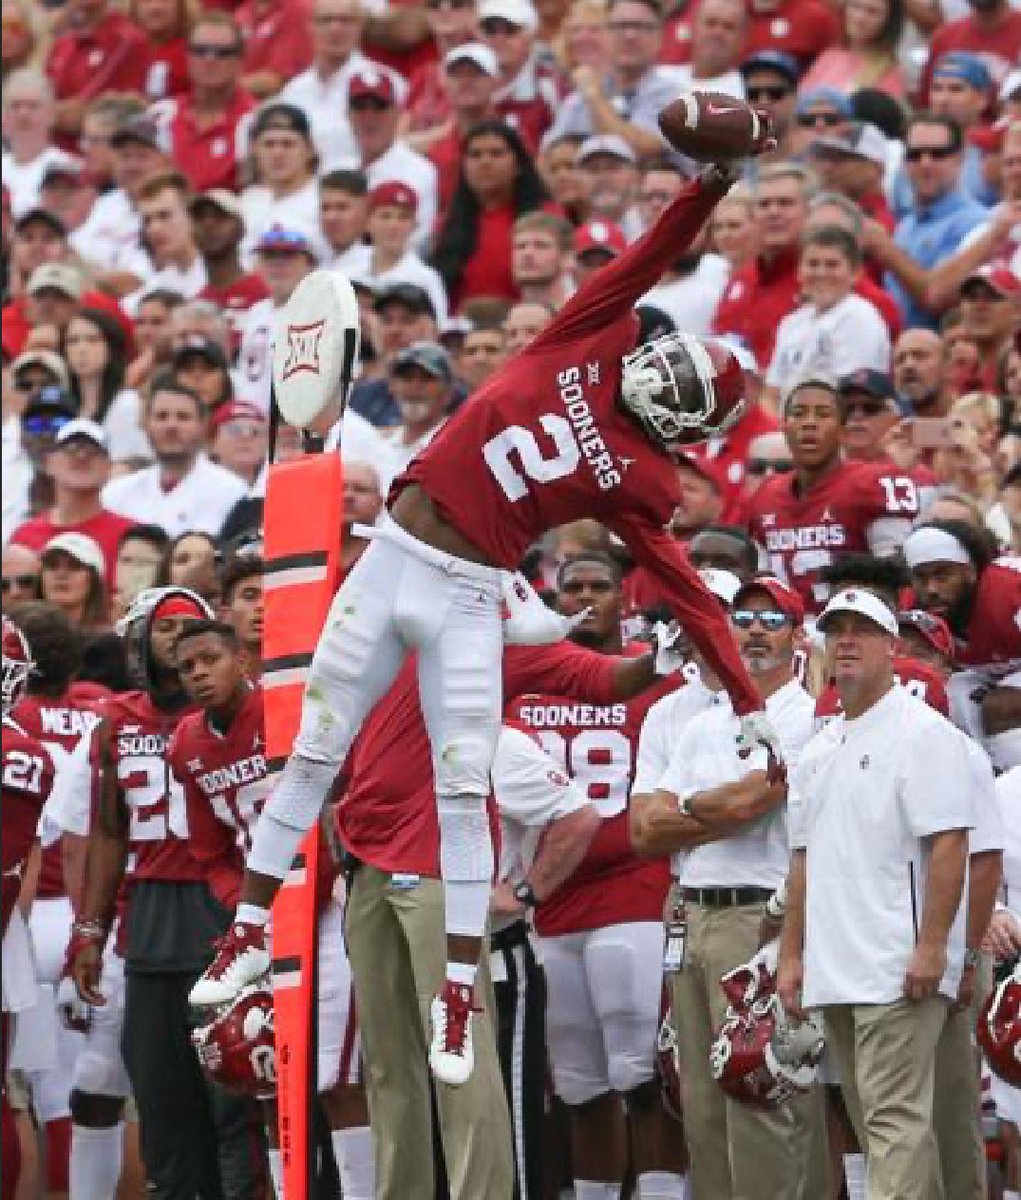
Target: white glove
(757, 730)
(74, 1012)
(527, 620)
(670, 645)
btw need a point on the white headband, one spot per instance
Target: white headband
(927, 545)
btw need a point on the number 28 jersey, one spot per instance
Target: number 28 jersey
(856, 508)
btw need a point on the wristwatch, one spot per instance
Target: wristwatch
(523, 893)
(972, 959)
(684, 804)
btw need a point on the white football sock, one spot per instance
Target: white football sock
(854, 1174)
(464, 973)
(594, 1189)
(96, 1158)
(660, 1185)
(276, 1172)
(356, 1162)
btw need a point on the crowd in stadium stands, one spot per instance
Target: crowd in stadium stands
(171, 173)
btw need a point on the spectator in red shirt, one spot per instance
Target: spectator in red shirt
(79, 465)
(164, 25)
(204, 131)
(218, 229)
(530, 91)
(470, 78)
(453, 23)
(762, 293)
(498, 184)
(992, 29)
(278, 43)
(801, 28)
(101, 52)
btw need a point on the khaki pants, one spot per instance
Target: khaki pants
(396, 946)
(737, 1152)
(886, 1057)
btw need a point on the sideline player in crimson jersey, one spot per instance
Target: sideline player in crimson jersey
(602, 930)
(194, 1140)
(219, 756)
(826, 507)
(582, 423)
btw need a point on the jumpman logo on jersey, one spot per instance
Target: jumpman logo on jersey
(194, 764)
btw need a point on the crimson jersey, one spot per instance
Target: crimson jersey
(918, 678)
(28, 775)
(387, 815)
(993, 640)
(158, 826)
(225, 787)
(60, 723)
(545, 442)
(597, 745)
(856, 507)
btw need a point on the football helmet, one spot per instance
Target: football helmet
(135, 625)
(999, 1029)
(236, 1048)
(18, 665)
(760, 1056)
(683, 389)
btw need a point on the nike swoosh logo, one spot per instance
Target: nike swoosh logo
(714, 111)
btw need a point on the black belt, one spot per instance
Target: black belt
(513, 935)
(727, 897)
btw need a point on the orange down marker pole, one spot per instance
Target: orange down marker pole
(301, 525)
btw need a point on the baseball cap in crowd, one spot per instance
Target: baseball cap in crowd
(292, 235)
(56, 277)
(1000, 280)
(41, 214)
(606, 143)
(838, 101)
(79, 546)
(197, 346)
(237, 410)
(227, 202)
(82, 427)
(287, 118)
(474, 52)
(969, 68)
(866, 604)
(65, 167)
(772, 60)
(140, 128)
(1010, 89)
(787, 601)
(989, 138)
(600, 235)
(370, 82)
(876, 384)
(521, 13)
(49, 360)
(862, 140)
(410, 295)
(427, 356)
(931, 626)
(393, 193)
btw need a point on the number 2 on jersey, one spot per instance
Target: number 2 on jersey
(516, 439)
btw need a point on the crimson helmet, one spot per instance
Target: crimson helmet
(18, 665)
(999, 1029)
(236, 1047)
(683, 389)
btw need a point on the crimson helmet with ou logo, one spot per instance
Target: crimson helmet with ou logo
(18, 665)
(236, 1047)
(760, 1056)
(999, 1029)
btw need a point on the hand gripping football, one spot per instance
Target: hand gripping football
(714, 127)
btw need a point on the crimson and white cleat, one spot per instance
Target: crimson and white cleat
(451, 1057)
(241, 959)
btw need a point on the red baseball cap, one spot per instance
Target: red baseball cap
(1001, 280)
(600, 235)
(989, 138)
(369, 82)
(710, 469)
(395, 193)
(787, 601)
(236, 410)
(932, 627)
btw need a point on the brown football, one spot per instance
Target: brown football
(712, 126)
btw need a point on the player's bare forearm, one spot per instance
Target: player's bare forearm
(73, 853)
(985, 871)
(948, 859)
(632, 676)
(658, 827)
(30, 872)
(733, 805)
(562, 848)
(108, 840)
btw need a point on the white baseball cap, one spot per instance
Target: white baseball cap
(80, 547)
(474, 52)
(84, 428)
(1010, 85)
(866, 604)
(723, 584)
(518, 12)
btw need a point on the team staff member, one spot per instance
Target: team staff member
(881, 802)
(723, 819)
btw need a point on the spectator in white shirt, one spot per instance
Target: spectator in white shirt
(285, 161)
(29, 112)
(343, 215)
(183, 490)
(393, 207)
(718, 30)
(422, 382)
(835, 332)
(881, 802)
(173, 262)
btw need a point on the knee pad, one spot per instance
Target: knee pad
(466, 846)
(462, 765)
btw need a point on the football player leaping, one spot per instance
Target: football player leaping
(582, 423)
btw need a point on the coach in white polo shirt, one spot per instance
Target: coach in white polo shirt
(880, 807)
(726, 817)
(183, 491)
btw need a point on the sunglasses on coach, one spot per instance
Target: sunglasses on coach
(772, 620)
